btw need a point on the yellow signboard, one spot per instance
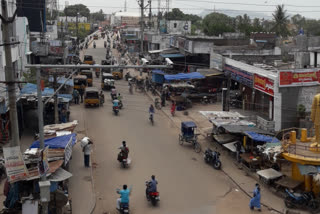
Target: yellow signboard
(73, 25)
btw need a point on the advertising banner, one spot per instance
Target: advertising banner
(15, 167)
(239, 75)
(264, 84)
(299, 78)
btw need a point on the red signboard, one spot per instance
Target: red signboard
(264, 84)
(290, 78)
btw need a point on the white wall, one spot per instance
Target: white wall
(177, 27)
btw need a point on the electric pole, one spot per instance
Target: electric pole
(141, 25)
(150, 14)
(10, 73)
(55, 87)
(77, 30)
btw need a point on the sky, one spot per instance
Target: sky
(307, 8)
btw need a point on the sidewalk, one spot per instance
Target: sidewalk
(240, 178)
(81, 183)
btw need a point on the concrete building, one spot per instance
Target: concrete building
(179, 27)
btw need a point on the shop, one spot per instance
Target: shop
(252, 88)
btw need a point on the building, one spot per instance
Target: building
(178, 27)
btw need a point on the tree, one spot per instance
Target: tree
(98, 16)
(281, 21)
(215, 24)
(72, 10)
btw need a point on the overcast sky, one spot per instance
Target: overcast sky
(308, 8)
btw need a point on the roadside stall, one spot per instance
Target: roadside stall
(22, 188)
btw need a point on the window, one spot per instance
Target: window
(175, 25)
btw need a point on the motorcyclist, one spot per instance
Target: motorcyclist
(124, 151)
(152, 186)
(151, 109)
(113, 93)
(105, 44)
(124, 196)
(94, 44)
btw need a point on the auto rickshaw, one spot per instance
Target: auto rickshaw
(107, 81)
(103, 35)
(188, 135)
(88, 59)
(91, 97)
(117, 73)
(87, 73)
(95, 37)
(79, 80)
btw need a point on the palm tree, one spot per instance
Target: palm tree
(281, 21)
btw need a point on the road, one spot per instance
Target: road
(186, 184)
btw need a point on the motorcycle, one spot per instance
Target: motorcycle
(151, 118)
(124, 207)
(152, 196)
(127, 76)
(94, 46)
(105, 45)
(301, 200)
(113, 96)
(157, 104)
(212, 157)
(130, 89)
(97, 74)
(116, 110)
(120, 104)
(124, 162)
(205, 100)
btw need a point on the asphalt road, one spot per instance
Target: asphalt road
(186, 183)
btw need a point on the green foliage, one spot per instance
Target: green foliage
(217, 23)
(281, 21)
(72, 10)
(98, 16)
(177, 14)
(301, 111)
(30, 76)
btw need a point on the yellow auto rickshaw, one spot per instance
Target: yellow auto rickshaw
(88, 59)
(80, 80)
(117, 73)
(91, 97)
(88, 74)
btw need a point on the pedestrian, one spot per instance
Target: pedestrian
(255, 201)
(238, 151)
(86, 144)
(163, 99)
(76, 96)
(81, 92)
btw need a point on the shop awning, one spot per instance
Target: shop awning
(56, 142)
(162, 50)
(261, 138)
(184, 76)
(210, 72)
(308, 169)
(177, 55)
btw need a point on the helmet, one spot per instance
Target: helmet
(124, 143)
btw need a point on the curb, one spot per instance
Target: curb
(205, 136)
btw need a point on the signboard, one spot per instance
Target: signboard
(299, 78)
(216, 61)
(43, 163)
(15, 167)
(68, 152)
(264, 84)
(239, 75)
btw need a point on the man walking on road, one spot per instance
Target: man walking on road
(81, 92)
(76, 96)
(86, 148)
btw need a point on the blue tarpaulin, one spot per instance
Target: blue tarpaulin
(56, 142)
(61, 80)
(184, 76)
(262, 138)
(31, 89)
(178, 55)
(157, 72)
